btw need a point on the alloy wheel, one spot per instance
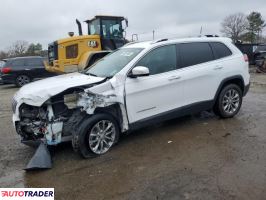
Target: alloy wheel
(102, 136)
(23, 79)
(231, 101)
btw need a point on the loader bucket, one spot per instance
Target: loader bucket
(41, 159)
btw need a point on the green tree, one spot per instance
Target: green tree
(34, 49)
(255, 27)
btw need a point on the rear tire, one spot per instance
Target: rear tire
(22, 80)
(96, 135)
(229, 101)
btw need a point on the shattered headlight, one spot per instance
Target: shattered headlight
(70, 100)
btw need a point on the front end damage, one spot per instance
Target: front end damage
(59, 116)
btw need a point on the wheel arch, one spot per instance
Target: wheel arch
(238, 80)
(115, 111)
(24, 74)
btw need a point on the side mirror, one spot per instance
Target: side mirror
(139, 71)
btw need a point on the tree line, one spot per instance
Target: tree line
(23, 48)
(244, 28)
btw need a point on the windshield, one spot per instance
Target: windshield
(112, 28)
(113, 63)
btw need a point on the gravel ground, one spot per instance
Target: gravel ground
(195, 157)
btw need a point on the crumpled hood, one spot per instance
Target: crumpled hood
(38, 92)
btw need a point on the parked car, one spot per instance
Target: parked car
(22, 70)
(1, 65)
(137, 85)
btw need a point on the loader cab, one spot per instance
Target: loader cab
(75, 53)
(110, 29)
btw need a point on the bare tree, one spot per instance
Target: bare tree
(18, 48)
(234, 26)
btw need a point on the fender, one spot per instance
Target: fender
(231, 79)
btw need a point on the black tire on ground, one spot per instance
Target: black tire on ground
(229, 101)
(81, 140)
(22, 80)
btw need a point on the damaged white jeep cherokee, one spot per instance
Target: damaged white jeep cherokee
(137, 84)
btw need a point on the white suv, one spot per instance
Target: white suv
(139, 84)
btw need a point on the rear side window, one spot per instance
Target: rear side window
(195, 53)
(34, 62)
(72, 51)
(17, 62)
(4, 63)
(220, 50)
(160, 60)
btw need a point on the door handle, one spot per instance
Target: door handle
(218, 67)
(174, 78)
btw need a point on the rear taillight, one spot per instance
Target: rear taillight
(6, 70)
(245, 57)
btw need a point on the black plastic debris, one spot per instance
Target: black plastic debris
(41, 159)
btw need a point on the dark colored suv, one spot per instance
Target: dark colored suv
(22, 70)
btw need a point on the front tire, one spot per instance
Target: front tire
(229, 101)
(96, 135)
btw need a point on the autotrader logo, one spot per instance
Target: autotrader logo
(27, 193)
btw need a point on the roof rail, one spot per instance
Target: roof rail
(211, 35)
(160, 40)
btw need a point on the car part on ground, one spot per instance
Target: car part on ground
(41, 159)
(138, 84)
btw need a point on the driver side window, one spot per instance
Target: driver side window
(160, 60)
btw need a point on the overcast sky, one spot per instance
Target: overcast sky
(47, 20)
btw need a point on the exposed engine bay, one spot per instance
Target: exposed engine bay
(57, 119)
(45, 122)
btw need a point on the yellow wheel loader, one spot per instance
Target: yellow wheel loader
(75, 53)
